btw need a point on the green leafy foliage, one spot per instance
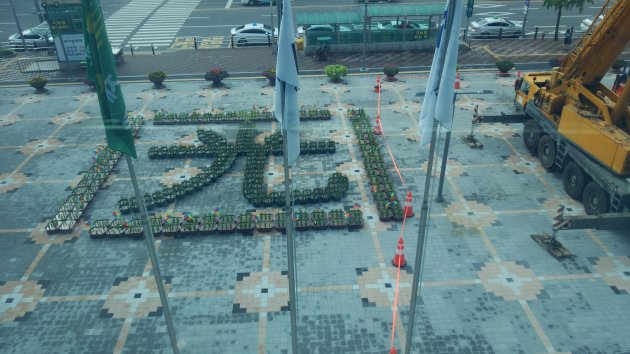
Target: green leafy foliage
(335, 72)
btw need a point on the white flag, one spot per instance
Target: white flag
(288, 83)
(446, 93)
(430, 94)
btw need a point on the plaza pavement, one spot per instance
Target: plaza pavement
(487, 287)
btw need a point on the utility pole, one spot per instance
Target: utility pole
(39, 11)
(365, 26)
(18, 25)
(525, 11)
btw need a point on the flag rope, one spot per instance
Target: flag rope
(402, 229)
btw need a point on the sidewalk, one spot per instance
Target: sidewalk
(527, 54)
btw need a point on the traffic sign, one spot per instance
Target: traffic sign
(469, 8)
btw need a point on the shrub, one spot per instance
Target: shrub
(390, 70)
(6, 53)
(157, 77)
(504, 65)
(216, 75)
(335, 72)
(270, 74)
(38, 82)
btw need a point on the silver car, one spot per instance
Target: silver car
(36, 37)
(253, 33)
(493, 27)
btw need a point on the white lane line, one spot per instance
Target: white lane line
(229, 3)
(211, 26)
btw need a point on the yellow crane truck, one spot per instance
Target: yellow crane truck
(576, 124)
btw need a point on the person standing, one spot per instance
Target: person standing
(567, 38)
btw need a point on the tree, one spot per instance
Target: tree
(558, 5)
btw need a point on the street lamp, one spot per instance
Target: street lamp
(18, 25)
(365, 24)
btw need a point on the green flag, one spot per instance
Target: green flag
(101, 70)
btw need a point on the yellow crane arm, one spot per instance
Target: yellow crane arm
(595, 54)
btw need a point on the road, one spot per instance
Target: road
(173, 23)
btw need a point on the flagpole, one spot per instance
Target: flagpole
(288, 217)
(424, 212)
(150, 241)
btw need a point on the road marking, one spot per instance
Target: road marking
(211, 26)
(495, 14)
(229, 3)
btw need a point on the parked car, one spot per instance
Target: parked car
(323, 29)
(257, 2)
(491, 27)
(35, 37)
(253, 33)
(398, 24)
(586, 23)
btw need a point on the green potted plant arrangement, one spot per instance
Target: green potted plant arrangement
(301, 221)
(335, 72)
(134, 228)
(319, 220)
(390, 71)
(246, 224)
(226, 224)
(208, 224)
(38, 83)
(264, 222)
(216, 75)
(355, 219)
(504, 67)
(99, 228)
(157, 78)
(270, 74)
(336, 219)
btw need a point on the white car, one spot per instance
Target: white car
(257, 2)
(321, 29)
(586, 23)
(253, 33)
(493, 26)
(393, 24)
(36, 37)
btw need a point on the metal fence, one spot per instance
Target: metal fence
(37, 61)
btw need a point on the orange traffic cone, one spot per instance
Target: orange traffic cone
(377, 128)
(408, 207)
(377, 87)
(399, 258)
(457, 84)
(392, 351)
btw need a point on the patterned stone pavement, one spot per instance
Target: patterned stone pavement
(487, 287)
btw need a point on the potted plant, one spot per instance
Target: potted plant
(216, 75)
(38, 83)
(335, 72)
(390, 71)
(504, 67)
(264, 222)
(270, 74)
(157, 78)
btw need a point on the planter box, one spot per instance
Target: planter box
(135, 229)
(226, 224)
(99, 229)
(264, 222)
(208, 225)
(116, 228)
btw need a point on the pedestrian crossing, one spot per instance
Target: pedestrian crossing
(126, 20)
(162, 26)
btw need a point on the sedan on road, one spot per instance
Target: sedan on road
(257, 2)
(253, 33)
(493, 27)
(36, 37)
(586, 23)
(321, 29)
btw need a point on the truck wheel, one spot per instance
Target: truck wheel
(547, 152)
(595, 199)
(573, 178)
(531, 135)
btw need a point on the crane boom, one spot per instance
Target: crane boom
(591, 59)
